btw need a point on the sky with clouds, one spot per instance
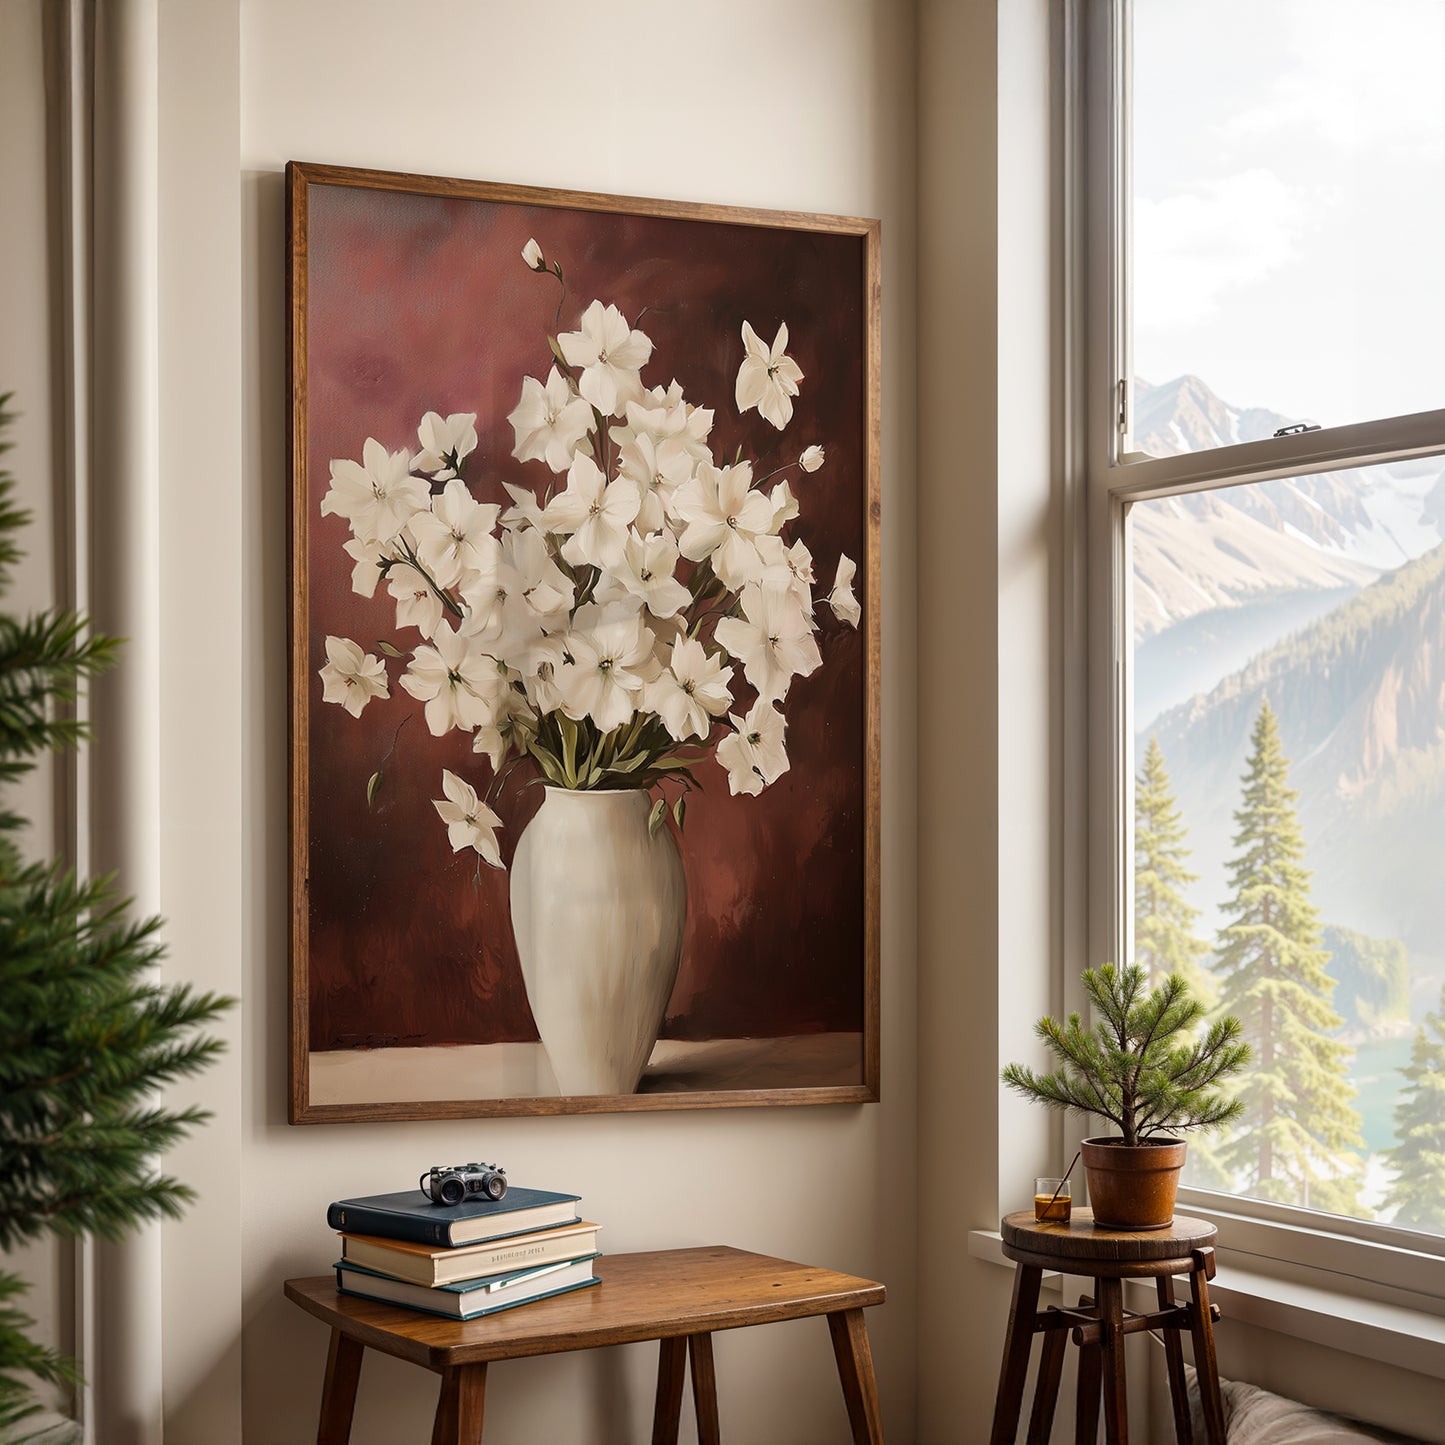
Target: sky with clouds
(1289, 202)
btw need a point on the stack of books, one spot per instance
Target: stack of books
(463, 1260)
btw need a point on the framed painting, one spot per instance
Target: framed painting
(585, 651)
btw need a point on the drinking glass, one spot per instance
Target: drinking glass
(1052, 1201)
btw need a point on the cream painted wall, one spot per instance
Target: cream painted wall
(210, 701)
(961, 1301)
(805, 106)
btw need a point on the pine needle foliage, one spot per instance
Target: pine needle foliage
(22, 1360)
(1300, 1124)
(1417, 1193)
(1143, 1065)
(87, 1036)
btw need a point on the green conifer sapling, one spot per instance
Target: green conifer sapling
(1142, 1066)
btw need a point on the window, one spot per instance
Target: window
(1266, 473)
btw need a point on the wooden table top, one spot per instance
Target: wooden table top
(642, 1297)
(1082, 1241)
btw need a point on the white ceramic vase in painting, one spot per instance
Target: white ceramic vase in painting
(598, 906)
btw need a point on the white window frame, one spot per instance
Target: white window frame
(1360, 1258)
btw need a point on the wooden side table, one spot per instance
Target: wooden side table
(1099, 1325)
(677, 1296)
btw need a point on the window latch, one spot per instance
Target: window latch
(1297, 428)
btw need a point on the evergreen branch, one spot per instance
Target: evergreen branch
(22, 1360)
(109, 1213)
(1126, 1069)
(43, 658)
(1156, 1009)
(1057, 1091)
(12, 517)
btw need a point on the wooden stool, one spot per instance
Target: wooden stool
(1098, 1326)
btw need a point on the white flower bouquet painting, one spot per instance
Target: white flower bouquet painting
(585, 651)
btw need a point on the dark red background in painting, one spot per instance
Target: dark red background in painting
(418, 303)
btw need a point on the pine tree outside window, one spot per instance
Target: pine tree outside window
(1417, 1192)
(1165, 925)
(1265, 497)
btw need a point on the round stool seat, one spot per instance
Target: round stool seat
(1082, 1247)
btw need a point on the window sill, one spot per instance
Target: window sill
(1314, 1310)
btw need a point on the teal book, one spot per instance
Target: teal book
(469, 1299)
(410, 1215)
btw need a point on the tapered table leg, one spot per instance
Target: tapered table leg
(704, 1389)
(855, 1371)
(1015, 1367)
(1086, 1412)
(1116, 1399)
(459, 1406)
(1046, 1391)
(1086, 1408)
(1174, 1358)
(338, 1393)
(667, 1412)
(1201, 1320)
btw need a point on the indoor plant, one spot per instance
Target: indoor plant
(1145, 1069)
(640, 612)
(87, 1035)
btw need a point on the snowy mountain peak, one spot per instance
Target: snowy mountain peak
(1184, 415)
(1193, 554)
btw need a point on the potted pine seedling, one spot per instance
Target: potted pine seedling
(1145, 1068)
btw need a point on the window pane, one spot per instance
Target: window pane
(1289, 804)
(1288, 163)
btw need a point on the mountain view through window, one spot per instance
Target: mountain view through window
(1289, 706)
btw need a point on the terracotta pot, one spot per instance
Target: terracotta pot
(1133, 1187)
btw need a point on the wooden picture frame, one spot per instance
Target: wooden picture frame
(408, 298)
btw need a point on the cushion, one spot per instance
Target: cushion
(1256, 1417)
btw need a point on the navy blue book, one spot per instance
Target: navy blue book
(410, 1215)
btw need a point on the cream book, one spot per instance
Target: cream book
(472, 1298)
(421, 1264)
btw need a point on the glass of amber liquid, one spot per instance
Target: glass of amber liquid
(1052, 1201)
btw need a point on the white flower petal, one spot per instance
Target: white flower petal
(845, 606)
